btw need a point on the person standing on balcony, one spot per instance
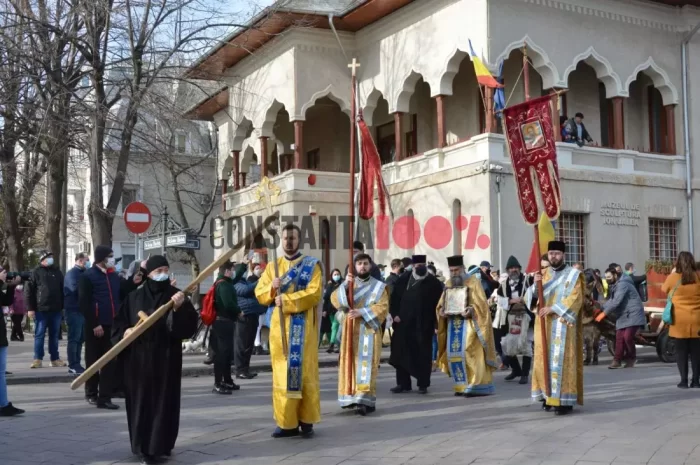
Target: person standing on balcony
(577, 131)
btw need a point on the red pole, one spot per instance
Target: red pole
(540, 289)
(348, 331)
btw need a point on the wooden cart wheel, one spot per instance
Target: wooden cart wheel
(666, 347)
(610, 342)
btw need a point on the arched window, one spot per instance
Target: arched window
(456, 230)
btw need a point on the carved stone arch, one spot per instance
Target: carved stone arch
(241, 130)
(603, 71)
(248, 156)
(540, 61)
(268, 124)
(225, 166)
(327, 92)
(401, 100)
(451, 69)
(371, 105)
(658, 76)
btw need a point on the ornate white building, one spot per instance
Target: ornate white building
(284, 110)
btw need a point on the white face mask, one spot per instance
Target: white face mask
(49, 261)
(257, 272)
(160, 277)
(20, 287)
(110, 262)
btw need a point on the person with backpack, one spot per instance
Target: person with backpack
(221, 305)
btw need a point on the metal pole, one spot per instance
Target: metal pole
(64, 220)
(500, 228)
(163, 227)
(686, 136)
(136, 246)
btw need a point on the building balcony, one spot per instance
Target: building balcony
(575, 163)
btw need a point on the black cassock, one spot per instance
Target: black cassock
(415, 303)
(153, 367)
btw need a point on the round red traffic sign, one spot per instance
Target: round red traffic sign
(137, 217)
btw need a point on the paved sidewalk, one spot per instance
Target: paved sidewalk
(21, 354)
(635, 416)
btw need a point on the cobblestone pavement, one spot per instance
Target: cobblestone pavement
(635, 416)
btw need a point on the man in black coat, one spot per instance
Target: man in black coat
(7, 297)
(412, 306)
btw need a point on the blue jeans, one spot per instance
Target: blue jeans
(76, 337)
(3, 382)
(52, 322)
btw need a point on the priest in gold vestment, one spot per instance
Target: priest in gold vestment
(562, 315)
(466, 350)
(295, 383)
(357, 371)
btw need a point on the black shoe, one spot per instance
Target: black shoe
(336, 350)
(91, 400)
(683, 385)
(331, 348)
(422, 390)
(695, 384)
(8, 373)
(560, 411)
(231, 386)
(459, 394)
(208, 361)
(119, 395)
(364, 410)
(223, 390)
(400, 390)
(307, 430)
(148, 460)
(246, 375)
(523, 380)
(107, 405)
(512, 376)
(10, 411)
(285, 433)
(546, 407)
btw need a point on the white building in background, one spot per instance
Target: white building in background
(284, 110)
(161, 140)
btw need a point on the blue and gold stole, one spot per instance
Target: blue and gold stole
(365, 294)
(456, 340)
(299, 275)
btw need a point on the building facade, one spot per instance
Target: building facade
(283, 110)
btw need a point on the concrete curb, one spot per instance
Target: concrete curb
(187, 372)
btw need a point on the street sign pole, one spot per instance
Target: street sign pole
(137, 218)
(136, 246)
(163, 228)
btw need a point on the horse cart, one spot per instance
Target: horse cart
(654, 334)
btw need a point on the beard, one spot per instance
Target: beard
(515, 276)
(363, 276)
(556, 264)
(457, 281)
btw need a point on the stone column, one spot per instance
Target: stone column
(618, 124)
(243, 179)
(298, 143)
(670, 129)
(236, 169)
(555, 115)
(398, 135)
(224, 187)
(440, 102)
(263, 156)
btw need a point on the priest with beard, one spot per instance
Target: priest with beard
(412, 307)
(153, 362)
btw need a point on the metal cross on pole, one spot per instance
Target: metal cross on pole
(267, 193)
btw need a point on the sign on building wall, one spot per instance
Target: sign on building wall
(620, 213)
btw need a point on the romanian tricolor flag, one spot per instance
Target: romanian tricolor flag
(483, 75)
(547, 235)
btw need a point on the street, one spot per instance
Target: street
(633, 416)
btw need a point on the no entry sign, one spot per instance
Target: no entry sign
(137, 217)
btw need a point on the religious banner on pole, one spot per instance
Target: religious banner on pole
(532, 146)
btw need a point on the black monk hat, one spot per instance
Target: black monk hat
(418, 259)
(557, 246)
(455, 260)
(512, 263)
(155, 262)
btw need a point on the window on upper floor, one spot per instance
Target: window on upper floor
(128, 196)
(181, 143)
(658, 129)
(313, 159)
(571, 229)
(386, 142)
(663, 239)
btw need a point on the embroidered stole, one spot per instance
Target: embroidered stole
(456, 358)
(299, 276)
(363, 297)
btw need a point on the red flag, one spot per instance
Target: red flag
(533, 153)
(371, 175)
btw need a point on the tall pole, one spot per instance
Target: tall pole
(163, 227)
(348, 331)
(540, 289)
(499, 179)
(64, 219)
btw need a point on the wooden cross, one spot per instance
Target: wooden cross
(354, 65)
(267, 192)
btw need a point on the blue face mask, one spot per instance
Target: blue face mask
(118, 268)
(336, 278)
(159, 278)
(49, 261)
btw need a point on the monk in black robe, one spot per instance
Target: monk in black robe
(413, 302)
(153, 362)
